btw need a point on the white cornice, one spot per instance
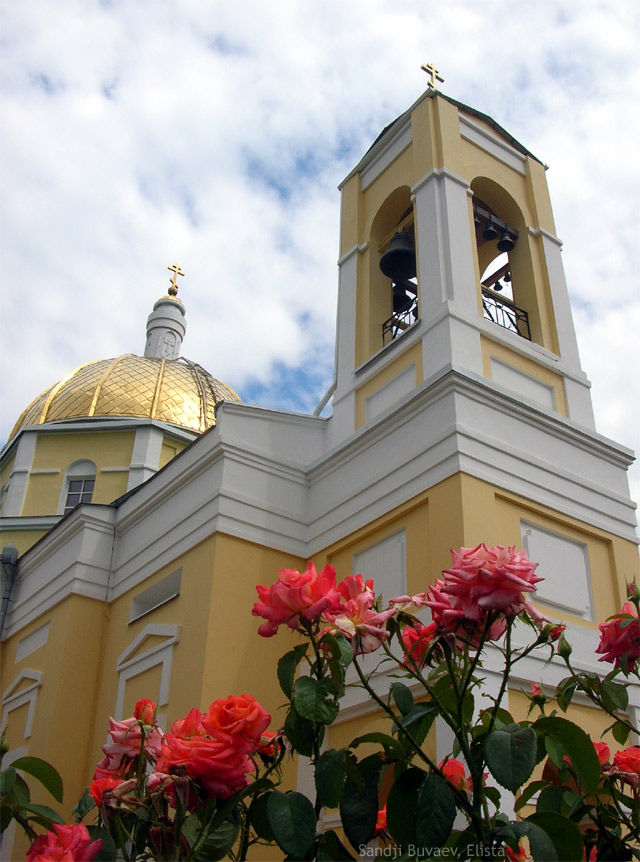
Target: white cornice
(232, 482)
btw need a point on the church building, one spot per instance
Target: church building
(142, 500)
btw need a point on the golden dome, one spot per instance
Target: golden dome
(170, 390)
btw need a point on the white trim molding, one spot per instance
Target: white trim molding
(129, 665)
(13, 697)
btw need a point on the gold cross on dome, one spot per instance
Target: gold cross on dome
(175, 269)
(433, 73)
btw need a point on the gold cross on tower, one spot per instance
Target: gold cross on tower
(175, 269)
(433, 73)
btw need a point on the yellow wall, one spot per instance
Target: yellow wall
(411, 356)
(22, 539)
(170, 448)
(107, 449)
(491, 349)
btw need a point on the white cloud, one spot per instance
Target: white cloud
(139, 133)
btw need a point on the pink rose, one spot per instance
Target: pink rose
(65, 844)
(415, 643)
(620, 638)
(127, 743)
(490, 579)
(482, 581)
(295, 595)
(450, 619)
(355, 617)
(405, 603)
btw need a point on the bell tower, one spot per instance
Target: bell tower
(449, 260)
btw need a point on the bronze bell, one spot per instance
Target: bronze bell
(399, 260)
(506, 242)
(401, 299)
(489, 232)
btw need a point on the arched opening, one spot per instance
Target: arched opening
(504, 261)
(393, 294)
(78, 485)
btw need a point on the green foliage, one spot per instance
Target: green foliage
(359, 803)
(292, 822)
(510, 754)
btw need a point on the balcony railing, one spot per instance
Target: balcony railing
(399, 322)
(505, 313)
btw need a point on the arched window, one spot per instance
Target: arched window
(393, 290)
(78, 485)
(507, 283)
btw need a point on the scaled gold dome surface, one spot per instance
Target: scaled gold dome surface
(170, 390)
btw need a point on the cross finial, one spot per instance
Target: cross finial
(175, 269)
(434, 75)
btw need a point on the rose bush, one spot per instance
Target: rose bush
(208, 789)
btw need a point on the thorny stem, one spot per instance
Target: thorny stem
(462, 799)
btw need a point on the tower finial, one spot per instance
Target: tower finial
(434, 75)
(176, 270)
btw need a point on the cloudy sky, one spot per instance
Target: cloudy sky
(136, 133)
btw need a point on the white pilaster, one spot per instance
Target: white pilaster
(19, 478)
(145, 457)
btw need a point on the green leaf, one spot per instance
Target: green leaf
(403, 697)
(330, 775)
(402, 804)
(217, 844)
(292, 821)
(46, 774)
(541, 845)
(44, 811)
(259, 819)
(331, 849)
(550, 799)
(620, 732)
(617, 694)
(510, 753)
(84, 805)
(340, 648)
(529, 791)
(565, 691)
(556, 751)
(564, 835)
(287, 668)
(300, 732)
(577, 745)
(314, 700)
(390, 745)
(359, 803)
(435, 812)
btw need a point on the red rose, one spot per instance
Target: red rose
(218, 766)
(239, 717)
(101, 785)
(454, 771)
(415, 642)
(65, 844)
(628, 760)
(620, 638)
(145, 711)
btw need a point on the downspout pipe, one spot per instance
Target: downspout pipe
(9, 563)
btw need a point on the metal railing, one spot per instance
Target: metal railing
(399, 322)
(505, 313)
